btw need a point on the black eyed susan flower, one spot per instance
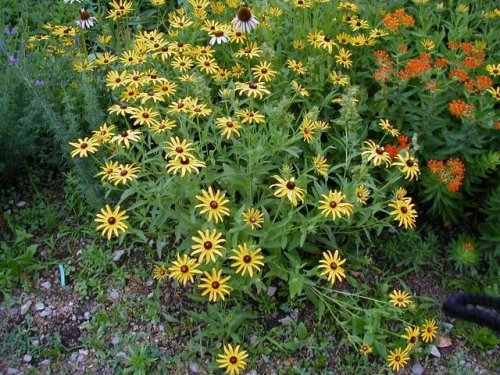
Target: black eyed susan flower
(378, 33)
(299, 89)
(220, 35)
(207, 245)
(107, 170)
(127, 136)
(84, 147)
(250, 51)
(365, 349)
(207, 64)
(166, 88)
(495, 92)
(320, 165)
(400, 298)
(376, 153)
(237, 36)
(184, 269)
(334, 204)
(326, 42)
(250, 116)
(338, 79)
(182, 63)
(343, 58)
(387, 127)
(105, 59)
(178, 148)
(228, 126)
(362, 194)
(493, 70)
(263, 72)
(232, 360)
(120, 109)
(163, 126)
(245, 260)
(112, 221)
(332, 266)
(397, 359)
(213, 203)
(252, 89)
(400, 194)
(104, 133)
(428, 330)
(160, 272)
(120, 8)
(343, 38)
(307, 128)
(288, 188)
(404, 212)
(237, 71)
(196, 109)
(130, 58)
(244, 20)
(302, 3)
(215, 285)
(184, 164)
(408, 165)
(297, 66)
(411, 335)
(124, 173)
(144, 116)
(254, 218)
(179, 106)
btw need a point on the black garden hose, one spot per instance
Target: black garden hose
(477, 308)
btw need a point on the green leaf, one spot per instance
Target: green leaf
(302, 331)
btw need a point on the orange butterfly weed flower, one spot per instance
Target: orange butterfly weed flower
(460, 108)
(451, 174)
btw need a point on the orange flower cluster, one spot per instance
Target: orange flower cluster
(441, 63)
(452, 173)
(460, 108)
(468, 246)
(394, 150)
(385, 71)
(479, 84)
(474, 59)
(394, 20)
(416, 67)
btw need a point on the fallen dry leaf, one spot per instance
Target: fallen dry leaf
(443, 342)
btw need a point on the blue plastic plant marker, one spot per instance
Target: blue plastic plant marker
(63, 278)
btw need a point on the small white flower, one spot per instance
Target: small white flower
(244, 20)
(71, 1)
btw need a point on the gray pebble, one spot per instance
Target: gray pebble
(12, 371)
(149, 282)
(26, 307)
(39, 306)
(86, 315)
(45, 362)
(46, 285)
(435, 352)
(118, 254)
(46, 312)
(194, 367)
(27, 358)
(113, 294)
(271, 291)
(417, 368)
(20, 204)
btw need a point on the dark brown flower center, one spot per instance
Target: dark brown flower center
(327, 38)
(184, 161)
(145, 115)
(179, 150)
(333, 204)
(207, 245)
(413, 339)
(83, 146)
(379, 150)
(215, 285)
(219, 33)
(410, 163)
(229, 124)
(290, 185)
(247, 259)
(263, 70)
(233, 359)
(429, 329)
(184, 269)
(214, 205)
(397, 358)
(111, 220)
(400, 299)
(252, 85)
(252, 219)
(84, 15)
(123, 106)
(333, 266)
(123, 172)
(404, 210)
(244, 14)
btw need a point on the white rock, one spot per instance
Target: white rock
(73, 357)
(12, 371)
(86, 315)
(286, 321)
(115, 339)
(26, 307)
(39, 306)
(118, 254)
(27, 358)
(194, 367)
(149, 282)
(271, 291)
(46, 312)
(45, 362)
(435, 352)
(20, 204)
(113, 294)
(150, 295)
(46, 285)
(417, 368)
(35, 343)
